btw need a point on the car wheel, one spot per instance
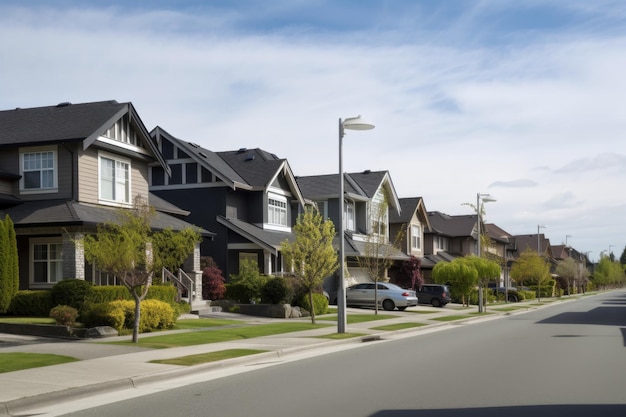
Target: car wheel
(388, 305)
(435, 302)
(401, 308)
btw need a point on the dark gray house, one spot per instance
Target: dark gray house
(66, 168)
(249, 197)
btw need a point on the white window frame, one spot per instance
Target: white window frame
(119, 184)
(53, 266)
(53, 171)
(416, 237)
(277, 211)
(349, 216)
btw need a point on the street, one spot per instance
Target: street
(567, 359)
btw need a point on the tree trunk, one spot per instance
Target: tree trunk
(312, 307)
(137, 318)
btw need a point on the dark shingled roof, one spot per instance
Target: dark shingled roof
(408, 206)
(452, 226)
(64, 122)
(256, 166)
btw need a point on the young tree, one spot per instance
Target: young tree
(378, 251)
(311, 254)
(569, 271)
(9, 272)
(213, 287)
(608, 273)
(126, 249)
(410, 275)
(459, 274)
(530, 268)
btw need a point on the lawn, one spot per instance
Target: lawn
(16, 361)
(200, 358)
(359, 318)
(399, 326)
(203, 323)
(214, 336)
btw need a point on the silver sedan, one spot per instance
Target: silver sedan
(390, 296)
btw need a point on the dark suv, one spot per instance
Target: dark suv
(436, 294)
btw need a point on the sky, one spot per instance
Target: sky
(522, 100)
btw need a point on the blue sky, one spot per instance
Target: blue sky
(520, 99)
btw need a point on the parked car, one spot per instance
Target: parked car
(436, 294)
(390, 296)
(509, 293)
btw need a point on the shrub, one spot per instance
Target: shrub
(245, 287)
(64, 315)
(166, 293)
(320, 303)
(103, 314)
(156, 314)
(105, 294)
(71, 292)
(213, 287)
(275, 291)
(31, 303)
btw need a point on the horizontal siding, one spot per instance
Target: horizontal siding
(88, 176)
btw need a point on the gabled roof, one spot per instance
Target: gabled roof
(523, 242)
(408, 208)
(497, 233)
(452, 226)
(63, 213)
(67, 122)
(360, 186)
(270, 240)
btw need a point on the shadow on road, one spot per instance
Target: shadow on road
(570, 410)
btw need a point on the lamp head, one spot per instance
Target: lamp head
(356, 123)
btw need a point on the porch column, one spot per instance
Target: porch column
(191, 266)
(73, 256)
(267, 262)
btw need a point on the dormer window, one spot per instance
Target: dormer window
(416, 237)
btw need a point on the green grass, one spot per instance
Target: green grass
(214, 336)
(421, 311)
(360, 318)
(399, 326)
(200, 358)
(16, 361)
(28, 320)
(203, 323)
(509, 308)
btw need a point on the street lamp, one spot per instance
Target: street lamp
(539, 226)
(486, 198)
(352, 123)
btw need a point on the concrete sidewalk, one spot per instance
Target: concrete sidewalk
(104, 368)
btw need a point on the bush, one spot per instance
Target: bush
(275, 291)
(31, 303)
(156, 315)
(213, 287)
(64, 315)
(320, 303)
(245, 287)
(108, 293)
(103, 314)
(71, 292)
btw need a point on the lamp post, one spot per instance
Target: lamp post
(352, 123)
(486, 198)
(539, 226)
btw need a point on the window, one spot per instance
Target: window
(442, 243)
(349, 216)
(47, 263)
(114, 180)
(277, 211)
(416, 237)
(39, 170)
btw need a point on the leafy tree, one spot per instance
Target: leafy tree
(460, 274)
(531, 269)
(126, 249)
(213, 287)
(608, 273)
(622, 259)
(569, 271)
(246, 286)
(9, 271)
(171, 248)
(378, 251)
(311, 254)
(410, 275)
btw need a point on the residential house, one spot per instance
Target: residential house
(501, 250)
(65, 169)
(369, 198)
(249, 197)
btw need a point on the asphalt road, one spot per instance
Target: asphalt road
(565, 360)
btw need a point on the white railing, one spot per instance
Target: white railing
(181, 281)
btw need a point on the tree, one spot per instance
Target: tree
(487, 270)
(127, 249)
(568, 270)
(311, 254)
(622, 259)
(460, 274)
(530, 268)
(213, 287)
(410, 275)
(608, 273)
(9, 271)
(378, 251)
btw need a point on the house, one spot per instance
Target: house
(501, 250)
(369, 198)
(64, 169)
(249, 197)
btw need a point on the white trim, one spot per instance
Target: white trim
(115, 158)
(31, 260)
(55, 169)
